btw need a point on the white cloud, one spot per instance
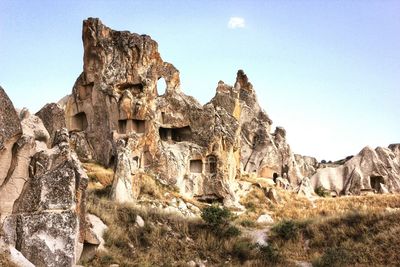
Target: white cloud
(236, 22)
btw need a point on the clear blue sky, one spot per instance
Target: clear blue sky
(328, 71)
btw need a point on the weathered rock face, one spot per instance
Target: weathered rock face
(42, 196)
(47, 224)
(200, 149)
(53, 118)
(10, 132)
(371, 170)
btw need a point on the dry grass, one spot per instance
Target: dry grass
(352, 239)
(293, 206)
(165, 240)
(98, 173)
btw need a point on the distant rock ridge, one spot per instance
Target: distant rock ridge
(371, 170)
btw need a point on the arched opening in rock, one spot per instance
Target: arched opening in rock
(176, 134)
(112, 162)
(285, 170)
(211, 164)
(79, 122)
(161, 85)
(375, 182)
(275, 176)
(196, 166)
(128, 126)
(136, 162)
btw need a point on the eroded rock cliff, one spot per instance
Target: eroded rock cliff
(200, 149)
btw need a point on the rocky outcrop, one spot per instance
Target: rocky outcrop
(42, 195)
(200, 149)
(372, 170)
(53, 118)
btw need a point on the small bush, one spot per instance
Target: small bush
(231, 231)
(215, 216)
(243, 250)
(247, 223)
(286, 230)
(321, 191)
(333, 257)
(270, 254)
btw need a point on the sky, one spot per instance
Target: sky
(327, 71)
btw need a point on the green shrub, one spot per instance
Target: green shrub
(231, 231)
(247, 223)
(243, 250)
(286, 230)
(215, 216)
(333, 257)
(321, 191)
(270, 254)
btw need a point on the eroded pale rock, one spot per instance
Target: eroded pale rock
(365, 172)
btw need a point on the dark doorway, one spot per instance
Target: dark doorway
(375, 182)
(79, 122)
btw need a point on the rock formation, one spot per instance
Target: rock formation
(42, 191)
(200, 149)
(116, 116)
(370, 171)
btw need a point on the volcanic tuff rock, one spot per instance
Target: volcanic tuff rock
(200, 149)
(42, 191)
(371, 170)
(117, 116)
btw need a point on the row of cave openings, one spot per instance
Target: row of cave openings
(80, 123)
(209, 166)
(177, 134)
(138, 88)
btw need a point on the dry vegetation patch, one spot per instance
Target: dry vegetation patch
(166, 239)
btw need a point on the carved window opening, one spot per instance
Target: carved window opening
(79, 122)
(139, 126)
(134, 88)
(196, 166)
(375, 182)
(128, 126)
(122, 125)
(136, 162)
(176, 134)
(112, 162)
(211, 164)
(162, 117)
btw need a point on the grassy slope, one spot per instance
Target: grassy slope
(356, 230)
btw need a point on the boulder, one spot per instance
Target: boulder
(273, 195)
(265, 218)
(53, 118)
(139, 221)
